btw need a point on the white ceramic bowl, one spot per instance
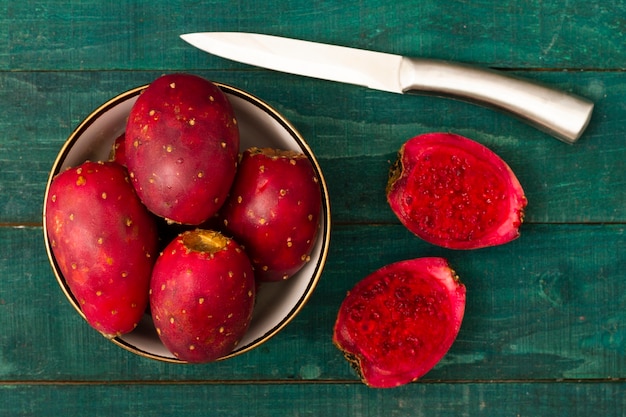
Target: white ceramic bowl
(260, 125)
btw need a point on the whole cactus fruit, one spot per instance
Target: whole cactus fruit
(202, 295)
(118, 150)
(182, 146)
(104, 242)
(273, 210)
(455, 193)
(397, 323)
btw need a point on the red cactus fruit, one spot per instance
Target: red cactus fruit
(118, 150)
(104, 242)
(182, 146)
(455, 193)
(397, 323)
(201, 295)
(273, 210)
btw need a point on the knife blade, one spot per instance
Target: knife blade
(558, 113)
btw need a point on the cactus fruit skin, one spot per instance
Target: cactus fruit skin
(182, 147)
(118, 150)
(398, 322)
(104, 241)
(456, 193)
(273, 210)
(202, 295)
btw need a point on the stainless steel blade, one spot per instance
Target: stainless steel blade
(563, 115)
(375, 70)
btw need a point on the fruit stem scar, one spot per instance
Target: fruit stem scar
(206, 241)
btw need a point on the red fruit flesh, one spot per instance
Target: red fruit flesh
(104, 242)
(182, 146)
(273, 210)
(202, 295)
(455, 193)
(397, 323)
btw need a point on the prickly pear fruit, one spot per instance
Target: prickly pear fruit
(201, 295)
(182, 147)
(104, 242)
(397, 323)
(118, 150)
(456, 193)
(273, 210)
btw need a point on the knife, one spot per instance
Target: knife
(563, 115)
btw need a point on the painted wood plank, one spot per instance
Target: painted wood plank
(354, 132)
(92, 35)
(544, 328)
(314, 399)
(547, 306)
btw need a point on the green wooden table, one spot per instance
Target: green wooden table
(545, 325)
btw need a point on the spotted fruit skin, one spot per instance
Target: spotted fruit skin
(456, 193)
(273, 210)
(182, 146)
(118, 150)
(105, 243)
(397, 323)
(202, 295)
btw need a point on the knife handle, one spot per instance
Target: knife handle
(563, 115)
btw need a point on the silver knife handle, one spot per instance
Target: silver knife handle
(563, 115)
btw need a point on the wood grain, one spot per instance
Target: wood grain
(572, 399)
(355, 138)
(529, 316)
(545, 325)
(92, 35)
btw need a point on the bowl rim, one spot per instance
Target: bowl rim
(324, 232)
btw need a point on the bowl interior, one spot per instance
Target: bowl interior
(259, 125)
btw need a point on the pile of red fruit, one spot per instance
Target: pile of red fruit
(178, 221)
